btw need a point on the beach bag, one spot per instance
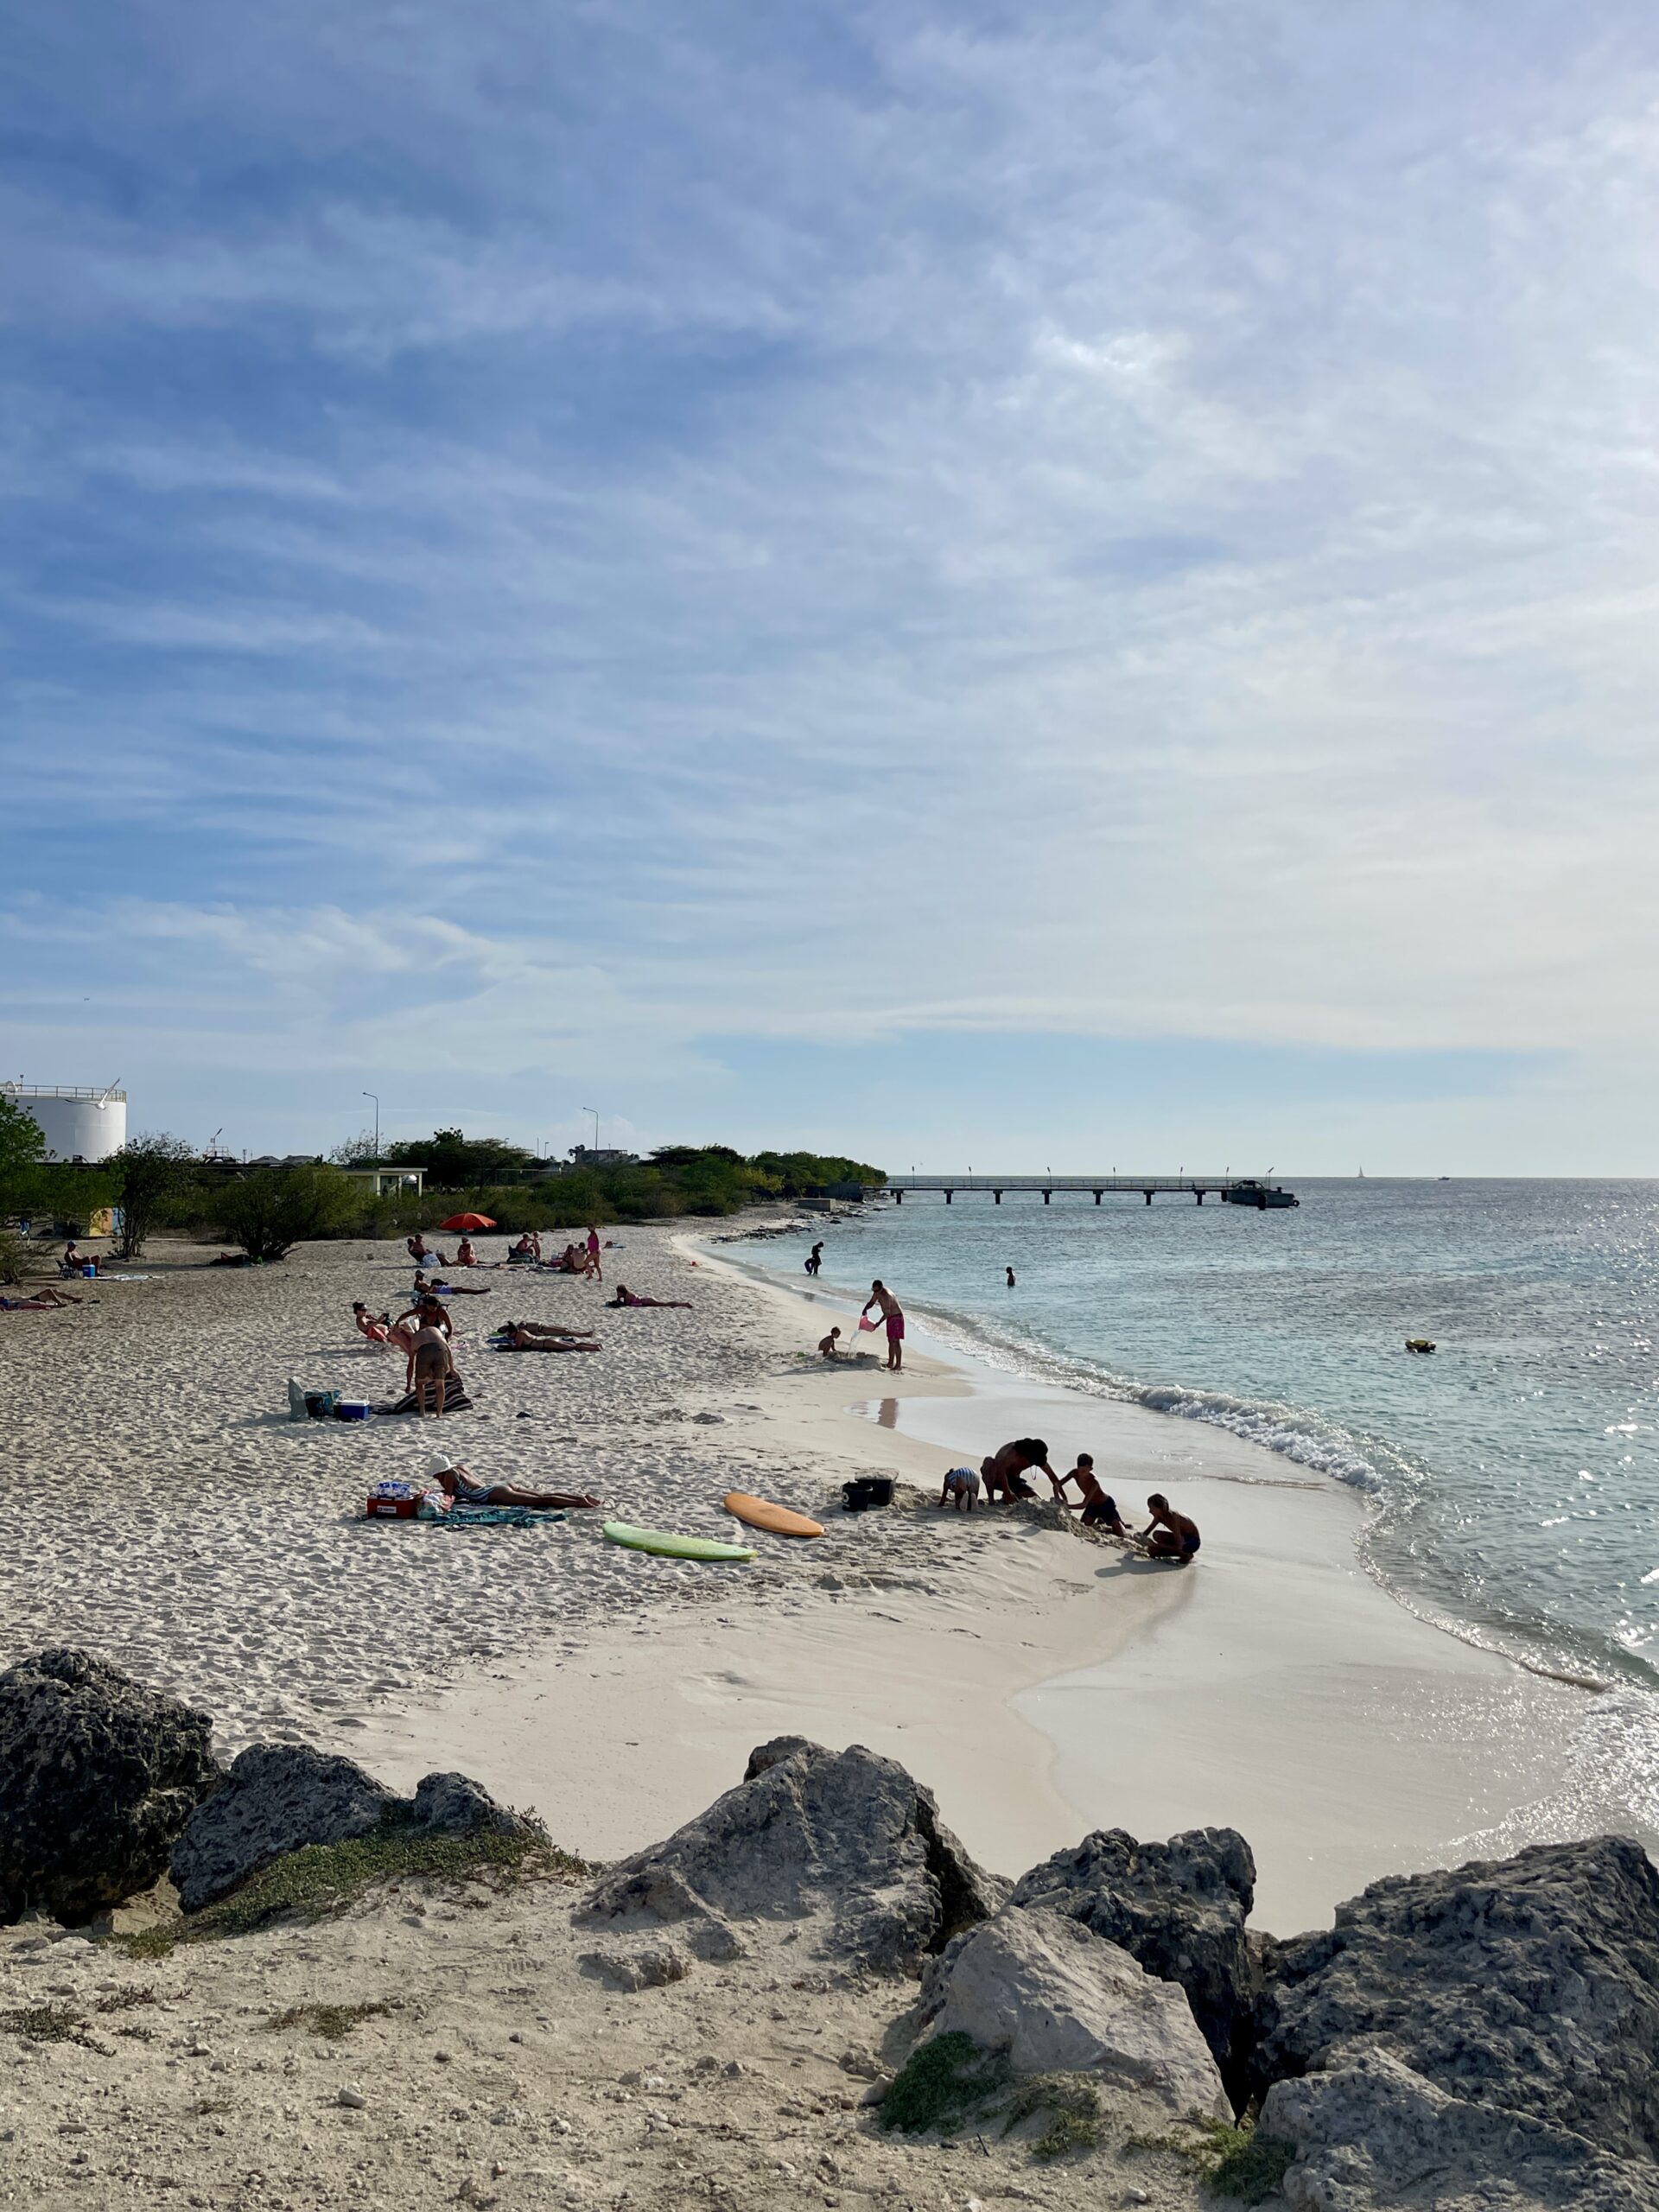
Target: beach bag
(866, 1491)
(319, 1404)
(297, 1409)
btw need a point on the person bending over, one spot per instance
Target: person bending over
(1006, 1471)
(960, 1489)
(1170, 1534)
(430, 1367)
(1099, 1511)
(829, 1346)
(893, 1314)
(459, 1483)
(626, 1297)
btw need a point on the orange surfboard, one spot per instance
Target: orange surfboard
(759, 1513)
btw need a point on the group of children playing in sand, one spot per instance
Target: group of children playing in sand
(1168, 1534)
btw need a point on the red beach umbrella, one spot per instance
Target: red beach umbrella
(468, 1221)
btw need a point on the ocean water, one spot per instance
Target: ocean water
(1512, 1478)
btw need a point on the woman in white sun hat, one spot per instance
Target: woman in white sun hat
(453, 1479)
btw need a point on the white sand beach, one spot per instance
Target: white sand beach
(175, 1520)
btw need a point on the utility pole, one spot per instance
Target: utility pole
(375, 1095)
(593, 1111)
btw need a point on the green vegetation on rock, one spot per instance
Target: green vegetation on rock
(942, 2083)
(326, 1878)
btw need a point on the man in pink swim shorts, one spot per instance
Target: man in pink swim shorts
(892, 1314)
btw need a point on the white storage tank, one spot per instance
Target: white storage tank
(77, 1123)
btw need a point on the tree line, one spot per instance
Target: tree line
(160, 1184)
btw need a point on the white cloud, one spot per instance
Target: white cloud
(1135, 525)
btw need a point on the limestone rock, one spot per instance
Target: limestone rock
(1179, 1909)
(1370, 2134)
(97, 1776)
(845, 1840)
(452, 1804)
(279, 1797)
(1060, 1999)
(644, 1965)
(1530, 1984)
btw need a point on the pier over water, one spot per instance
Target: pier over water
(1231, 1190)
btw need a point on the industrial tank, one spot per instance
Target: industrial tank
(76, 1124)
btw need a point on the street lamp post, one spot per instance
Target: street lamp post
(376, 1096)
(593, 1111)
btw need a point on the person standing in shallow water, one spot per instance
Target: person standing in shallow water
(1010, 1278)
(893, 1314)
(815, 1259)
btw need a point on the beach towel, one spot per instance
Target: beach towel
(455, 1399)
(494, 1516)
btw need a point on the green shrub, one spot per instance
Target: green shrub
(941, 2083)
(269, 1212)
(1250, 2166)
(326, 1878)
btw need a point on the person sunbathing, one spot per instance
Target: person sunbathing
(440, 1288)
(626, 1297)
(465, 1256)
(43, 1300)
(518, 1337)
(527, 1248)
(546, 1329)
(458, 1482)
(376, 1328)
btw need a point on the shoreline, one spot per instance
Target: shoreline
(176, 1523)
(1346, 1734)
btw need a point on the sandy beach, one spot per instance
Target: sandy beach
(177, 1522)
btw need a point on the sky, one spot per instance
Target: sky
(1031, 584)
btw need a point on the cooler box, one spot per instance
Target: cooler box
(352, 1409)
(391, 1509)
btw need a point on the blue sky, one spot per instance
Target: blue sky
(1025, 584)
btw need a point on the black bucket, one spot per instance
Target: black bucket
(867, 1491)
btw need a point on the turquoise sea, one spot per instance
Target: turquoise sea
(1513, 1477)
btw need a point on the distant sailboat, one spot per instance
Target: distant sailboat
(1361, 1178)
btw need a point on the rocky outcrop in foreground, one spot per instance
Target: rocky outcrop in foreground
(98, 1775)
(1179, 1909)
(282, 1797)
(1371, 2134)
(846, 1842)
(1526, 1985)
(1464, 2041)
(1039, 1987)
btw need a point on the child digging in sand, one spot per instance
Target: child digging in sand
(1099, 1511)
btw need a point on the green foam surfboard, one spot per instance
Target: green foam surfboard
(671, 1546)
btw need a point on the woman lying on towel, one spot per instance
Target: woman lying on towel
(458, 1482)
(536, 1336)
(44, 1300)
(625, 1297)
